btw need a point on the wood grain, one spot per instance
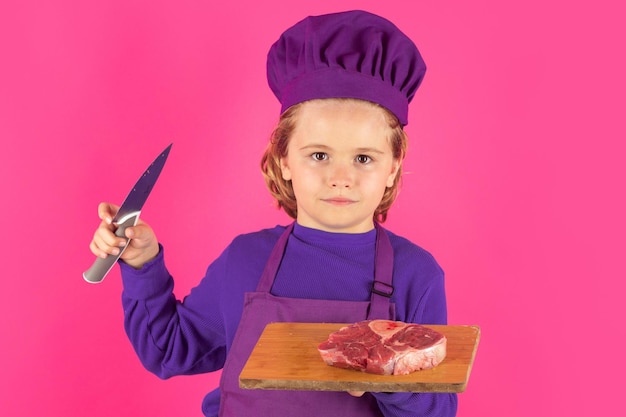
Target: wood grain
(286, 358)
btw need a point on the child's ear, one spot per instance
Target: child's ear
(284, 169)
(395, 168)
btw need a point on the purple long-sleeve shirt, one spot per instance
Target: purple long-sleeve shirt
(194, 336)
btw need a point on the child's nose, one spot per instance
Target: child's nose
(341, 176)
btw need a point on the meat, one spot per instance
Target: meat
(384, 347)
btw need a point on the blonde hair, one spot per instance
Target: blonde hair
(281, 189)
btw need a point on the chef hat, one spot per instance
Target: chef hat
(352, 54)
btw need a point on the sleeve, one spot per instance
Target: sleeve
(400, 404)
(431, 308)
(169, 336)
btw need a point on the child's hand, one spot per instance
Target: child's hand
(142, 247)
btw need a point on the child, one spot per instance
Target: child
(334, 161)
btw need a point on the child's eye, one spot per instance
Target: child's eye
(319, 156)
(363, 159)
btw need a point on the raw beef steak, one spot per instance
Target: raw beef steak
(384, 347)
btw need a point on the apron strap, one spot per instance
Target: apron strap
(271, 267)
(382, 287)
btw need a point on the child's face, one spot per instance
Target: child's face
(339, 161)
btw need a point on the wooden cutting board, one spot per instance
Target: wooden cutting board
(286, 358)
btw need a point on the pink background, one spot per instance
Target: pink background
(515, 182)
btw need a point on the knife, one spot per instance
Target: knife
(128, 215)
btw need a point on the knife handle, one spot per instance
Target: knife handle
(101, 266)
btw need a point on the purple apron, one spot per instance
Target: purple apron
(261, 308)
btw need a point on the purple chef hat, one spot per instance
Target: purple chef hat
(352, 54)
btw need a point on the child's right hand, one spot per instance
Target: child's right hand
(142, 246)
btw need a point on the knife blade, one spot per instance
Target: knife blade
(128, 215)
